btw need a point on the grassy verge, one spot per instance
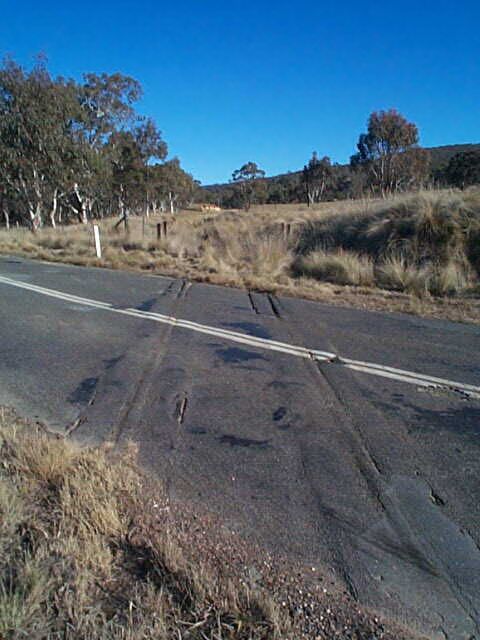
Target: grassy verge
(83, 558)
(417, 254)
(92, 549)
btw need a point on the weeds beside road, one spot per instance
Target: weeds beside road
(418, 254)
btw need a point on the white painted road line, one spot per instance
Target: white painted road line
(400, 375)
(379, 368)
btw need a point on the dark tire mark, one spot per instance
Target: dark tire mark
(236, 355)
(274, 305)
(233, 441)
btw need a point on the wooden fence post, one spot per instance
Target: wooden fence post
(286, 229)
(162, 229)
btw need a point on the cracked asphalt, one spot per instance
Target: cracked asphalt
(373, 481)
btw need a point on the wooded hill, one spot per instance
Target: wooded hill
(344, 182)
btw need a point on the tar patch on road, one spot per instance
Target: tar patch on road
(235, 355)
(233, 441)
(147, 305)
(84, 392)
(252, 328)
(279, 414)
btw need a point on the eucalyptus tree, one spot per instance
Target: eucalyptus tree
(131, 151)
(107, 101)
(389, 153)
(171, 186)
(247, 178)
(37, 148)
(317, 176)
(76, 150)
(108, 115)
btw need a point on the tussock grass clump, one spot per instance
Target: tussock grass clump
(449, 279)
(452, 278)
(81, 556)
(339, 267)
(430, 226)
(246, 251)
(395, 273)
(423, 244)
(55, 242)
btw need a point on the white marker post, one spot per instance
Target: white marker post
(96, 235)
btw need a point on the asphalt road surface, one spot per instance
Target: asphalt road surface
(348, 440)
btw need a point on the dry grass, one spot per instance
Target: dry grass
(92, 549)
(339, 267)
(80, 557)
(386, 255)
(423, 245)
(395, 273)
(450, 279)
(427, 225)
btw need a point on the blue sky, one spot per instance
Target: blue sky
(231, 81)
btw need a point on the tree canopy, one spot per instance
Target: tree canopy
(248, 177)
(389, 154)
(463, 170)
(77, 150)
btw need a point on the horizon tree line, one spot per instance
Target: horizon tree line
(75, 151)
(388, 160)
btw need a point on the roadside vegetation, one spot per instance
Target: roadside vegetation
(73, 153)
(90, 548)
(426, 244)
(417, 253)
(82, 555)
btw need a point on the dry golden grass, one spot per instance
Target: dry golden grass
(376, 254)
(92, 549)
(340, 267)
(397, 274)
(81, 556)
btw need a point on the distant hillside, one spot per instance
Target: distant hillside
(441, 155)
(439, 158)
